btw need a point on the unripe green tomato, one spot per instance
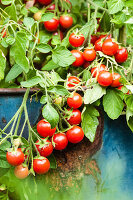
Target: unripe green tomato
(37, 16)
(58, 100)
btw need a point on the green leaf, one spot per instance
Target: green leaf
(52, 160)
(50, 65)
(51, 115)
(33, 9)
(44, 48)
(6, 2)
(62, 56)
(113, 103)
(115, 6)
(129, 101)
(43, 99)
(10, 40)
(129, 21)
(129, 117)
(31, 82)
(47, 17)
(59, 90)
(11, 11)
(2, 64)
(28, 22)
(4, 164)
(55, 77)
(90, 122)
(93, 94)
(5, 145)
(2, 154)
(86, 75)
(44, 36)
(15, 71)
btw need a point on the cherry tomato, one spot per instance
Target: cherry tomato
(51, 25)
(79, 58)
(46, 150)
(103, 36)
(15, 157)
(21, 172)
(109, 47)
(66, 21)
(3, 33)
(75, 101)
(94, 38)
(41, 165)
(75, 134)
(44, 129)
(116, 80)
(120, 88)
(98, 45)
(95, 71)
(51, 8)
(45, 2)
(37, 16)
(69, 3)
(72, 81)
(89, 54)
(76, 40)
(86, 64)
(75, 118)
(60, 141)
(61, 34)
(105, 78)
(121, 55)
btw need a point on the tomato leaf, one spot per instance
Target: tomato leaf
(52, 160)
(129, 117)
(33, 9)
(62, 56)
(93, 94)
(2, 64)
(90, 122)
(129, 101)
(47, 16)
(113, 103)
(4, 164)
(44, 48)
(115, 6)
(5, 145)
(31, 82)
(6, 2)
(50, 65)
(11, 11)
(15, 71)
(28, 22)
(50, 114)
(59, 89)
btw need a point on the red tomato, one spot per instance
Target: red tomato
(3, 33)
(79, 58)
(21, 172)
(45, 2)
(41, 166)
(89, 54)
(15, 157)
(46, 150)
(76, 40)
(116, 80)
(75, 118)
(105, 78)
(44, 129)
(51, 8)
(86, 64)
(94, 38)
(72, 81)
(103, 36)
(121, 55)
(66, 21)
(109, 47)
(60, 141)
(61, 34)
(75, 101)
(95, 71)
(75, 134)
(51, 25)
(98, 45)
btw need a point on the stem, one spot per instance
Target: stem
(122, 35)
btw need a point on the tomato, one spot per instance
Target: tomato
(60, 141)
(21, 172)
(94, 38)
(76, 40)
(75, 118)
(116, 80)
(51, 25)
(51, 8)
(95, 70)
(3, 33)
(45, 2)
(89, 54)
(66, 21)
(86, 64)
(41, 165)
(98, 45)
(75, 101)
(37, 16)
(75, 134)
(61, 34)
(120, 88)
(105, 78)
(79, 58)
(72, 81)
(44, 129)
(121, 55)
(103, 36)
(46, 149)
(15, 157)
(109, 47)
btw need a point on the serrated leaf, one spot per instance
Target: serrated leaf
(2, 64)
(115, 6)
(93, 94)
(15, 71)
(90, 122)
(50, 65)
(44, 48)
(31, 82)
(113, 103)
(51, 115)
(47, 16)
(59, 90)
